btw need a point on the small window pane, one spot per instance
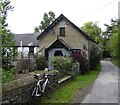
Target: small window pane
(31, 49)
(62, 31)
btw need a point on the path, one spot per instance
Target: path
(105, 88)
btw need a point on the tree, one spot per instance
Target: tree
(0, 35)
(112, 33)
(111, 28)
(95, 56)
(7, 36)
(48, 18)
(93, 30)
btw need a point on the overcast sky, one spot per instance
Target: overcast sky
(27, 14)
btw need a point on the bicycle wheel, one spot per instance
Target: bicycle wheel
(47, 89)
(32, 99)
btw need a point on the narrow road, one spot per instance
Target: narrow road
(105, 88)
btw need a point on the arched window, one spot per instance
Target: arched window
(58, 53)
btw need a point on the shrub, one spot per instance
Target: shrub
(63, 64)
(22, 64)
(7, 75)
(41, 63)
(106, 54)
(95, 56)
(81, 58)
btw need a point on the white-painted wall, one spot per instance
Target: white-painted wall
(25, 51)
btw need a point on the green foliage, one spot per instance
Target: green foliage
(106, 53)
(63, 64)
(95, 56)
(7, 37)
(113, 45)
(48, 18)
(65, 94)
(93, 30)
(113, 33)
(7, 75)
(41, 62)
(116, 62)
(111, 28)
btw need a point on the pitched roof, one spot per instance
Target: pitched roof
(59, 19)
(59, 43)
(28, 39)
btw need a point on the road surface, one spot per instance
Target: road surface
(105, 88)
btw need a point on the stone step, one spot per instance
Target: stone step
(64, 79)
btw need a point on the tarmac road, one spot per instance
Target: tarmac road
(105, 88)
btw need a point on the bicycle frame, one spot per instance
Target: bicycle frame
(44, 85)
(39, 89)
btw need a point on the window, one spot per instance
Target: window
(31, 49)
(84, 47)
(62, 31)
(58, 53)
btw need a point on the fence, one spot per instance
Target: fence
(25, 64)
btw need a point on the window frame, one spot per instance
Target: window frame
(62, 31)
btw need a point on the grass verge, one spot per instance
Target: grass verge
(116, 62)
(65, 94)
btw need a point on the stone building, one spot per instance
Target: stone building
(62, 37)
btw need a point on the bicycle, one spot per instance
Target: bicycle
(42, 85)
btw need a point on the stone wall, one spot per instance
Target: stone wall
(18, 91)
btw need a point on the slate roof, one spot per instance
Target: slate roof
(59, 19)
(27, 39)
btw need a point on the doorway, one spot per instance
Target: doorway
(58, 53)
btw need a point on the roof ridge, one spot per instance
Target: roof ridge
(58, 19)
(26, 33)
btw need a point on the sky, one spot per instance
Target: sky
(28, 14)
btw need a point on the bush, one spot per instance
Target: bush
(41, 63)
(63, 64)
(106, 54)
(22, 65)
(7, 75)
(95, 56)
(81, 58)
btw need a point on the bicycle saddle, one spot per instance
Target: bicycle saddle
(36, 76)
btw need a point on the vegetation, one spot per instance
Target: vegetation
(40, 61)
(112, 34)
(93, 30)
(81, 58)
(7, 50)
(7, 75)
(63, 64)
(7, 38)
(66, 93)
(95, 56)
(48, 18)
(116, 62)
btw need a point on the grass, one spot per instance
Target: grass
(116, 62)
(65, 94)
(39, 71)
